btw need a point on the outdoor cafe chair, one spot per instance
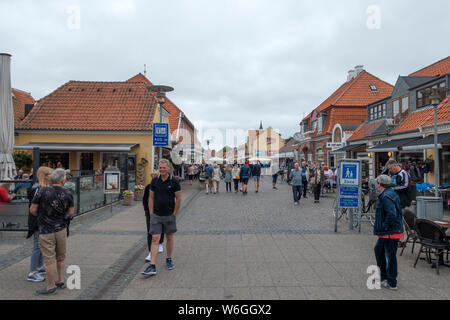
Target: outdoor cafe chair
(409, 221)
(432, 239)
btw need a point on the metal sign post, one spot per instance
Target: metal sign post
(111, 182)
(349, 189)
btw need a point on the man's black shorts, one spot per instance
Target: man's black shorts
(245, 181)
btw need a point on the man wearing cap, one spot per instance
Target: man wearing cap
(389, 229)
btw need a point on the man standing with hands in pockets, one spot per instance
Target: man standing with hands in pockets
(164, 203)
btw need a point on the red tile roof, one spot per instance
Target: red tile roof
(436, 69)
(369, 128)
(347, 115)
(357, 92)
(20, 99)
(173, 110)
(425, 117)
(347, 105)
(87, 105)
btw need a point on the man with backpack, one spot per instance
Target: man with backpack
(400, 182)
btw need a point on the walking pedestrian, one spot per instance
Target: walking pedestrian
(305, 178)
(37, 267)
(295, 176)
(275, 171)
(154, 175)
(316, 181)
(256, 173)
(389, 229)
(209, 173)
(244, 175)
(190, 172)
(164, 203)
(235, 173)
(228, 177)
(53, 206)
(216, 178)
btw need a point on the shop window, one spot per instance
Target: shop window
(54, 159)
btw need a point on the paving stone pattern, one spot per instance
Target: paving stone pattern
(228, 246)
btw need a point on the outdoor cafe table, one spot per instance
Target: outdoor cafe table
(445, 224)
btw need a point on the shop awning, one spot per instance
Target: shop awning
(50, 146)
(427, 142)
(348, 148)
(392, 145)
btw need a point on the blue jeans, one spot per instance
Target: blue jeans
(36, 256)
(297, 190)
(386, 256)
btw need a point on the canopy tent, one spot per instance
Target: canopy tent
(7, 165)
(214, 159)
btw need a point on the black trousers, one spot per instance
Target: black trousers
(317, 188)
(149, 236)
(236, 184)
(228, 185)
(305, 187)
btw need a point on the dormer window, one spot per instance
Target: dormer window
(373, 88)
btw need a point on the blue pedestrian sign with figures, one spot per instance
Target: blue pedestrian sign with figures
(160, 134)
(348, 195)
(349, 174)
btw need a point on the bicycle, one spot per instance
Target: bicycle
(367, 211)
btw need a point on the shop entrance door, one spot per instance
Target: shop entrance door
(86, 163)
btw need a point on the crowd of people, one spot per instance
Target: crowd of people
(52, 207)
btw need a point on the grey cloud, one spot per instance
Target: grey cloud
(232, 63)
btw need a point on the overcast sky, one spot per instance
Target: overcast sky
(232, 62)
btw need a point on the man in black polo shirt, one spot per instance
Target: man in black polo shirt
(164, 203)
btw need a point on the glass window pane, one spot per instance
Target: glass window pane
(405, 104)
(395, 107)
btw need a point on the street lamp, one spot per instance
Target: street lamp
(435, 99)
(160, 98)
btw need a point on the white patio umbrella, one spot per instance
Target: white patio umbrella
(7, 165)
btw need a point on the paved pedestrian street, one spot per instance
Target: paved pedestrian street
(228, 246)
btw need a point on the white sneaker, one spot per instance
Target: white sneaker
(160, 248)
(149, 257)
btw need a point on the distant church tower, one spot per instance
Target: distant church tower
(260, 126)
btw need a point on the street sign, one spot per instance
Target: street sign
(335, 145)
(348, 202)
(349, 174)
(349, 189)
(160, 134)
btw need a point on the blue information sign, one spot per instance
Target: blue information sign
(160, 134)
(348, 202)
(348, 191)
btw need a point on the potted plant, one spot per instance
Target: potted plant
(139, 192)
(128, 197)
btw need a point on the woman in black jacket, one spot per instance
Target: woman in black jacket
(147, 220)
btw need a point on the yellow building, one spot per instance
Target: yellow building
(264, 143)
(86, 126)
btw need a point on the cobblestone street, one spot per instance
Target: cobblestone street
(228, 246)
